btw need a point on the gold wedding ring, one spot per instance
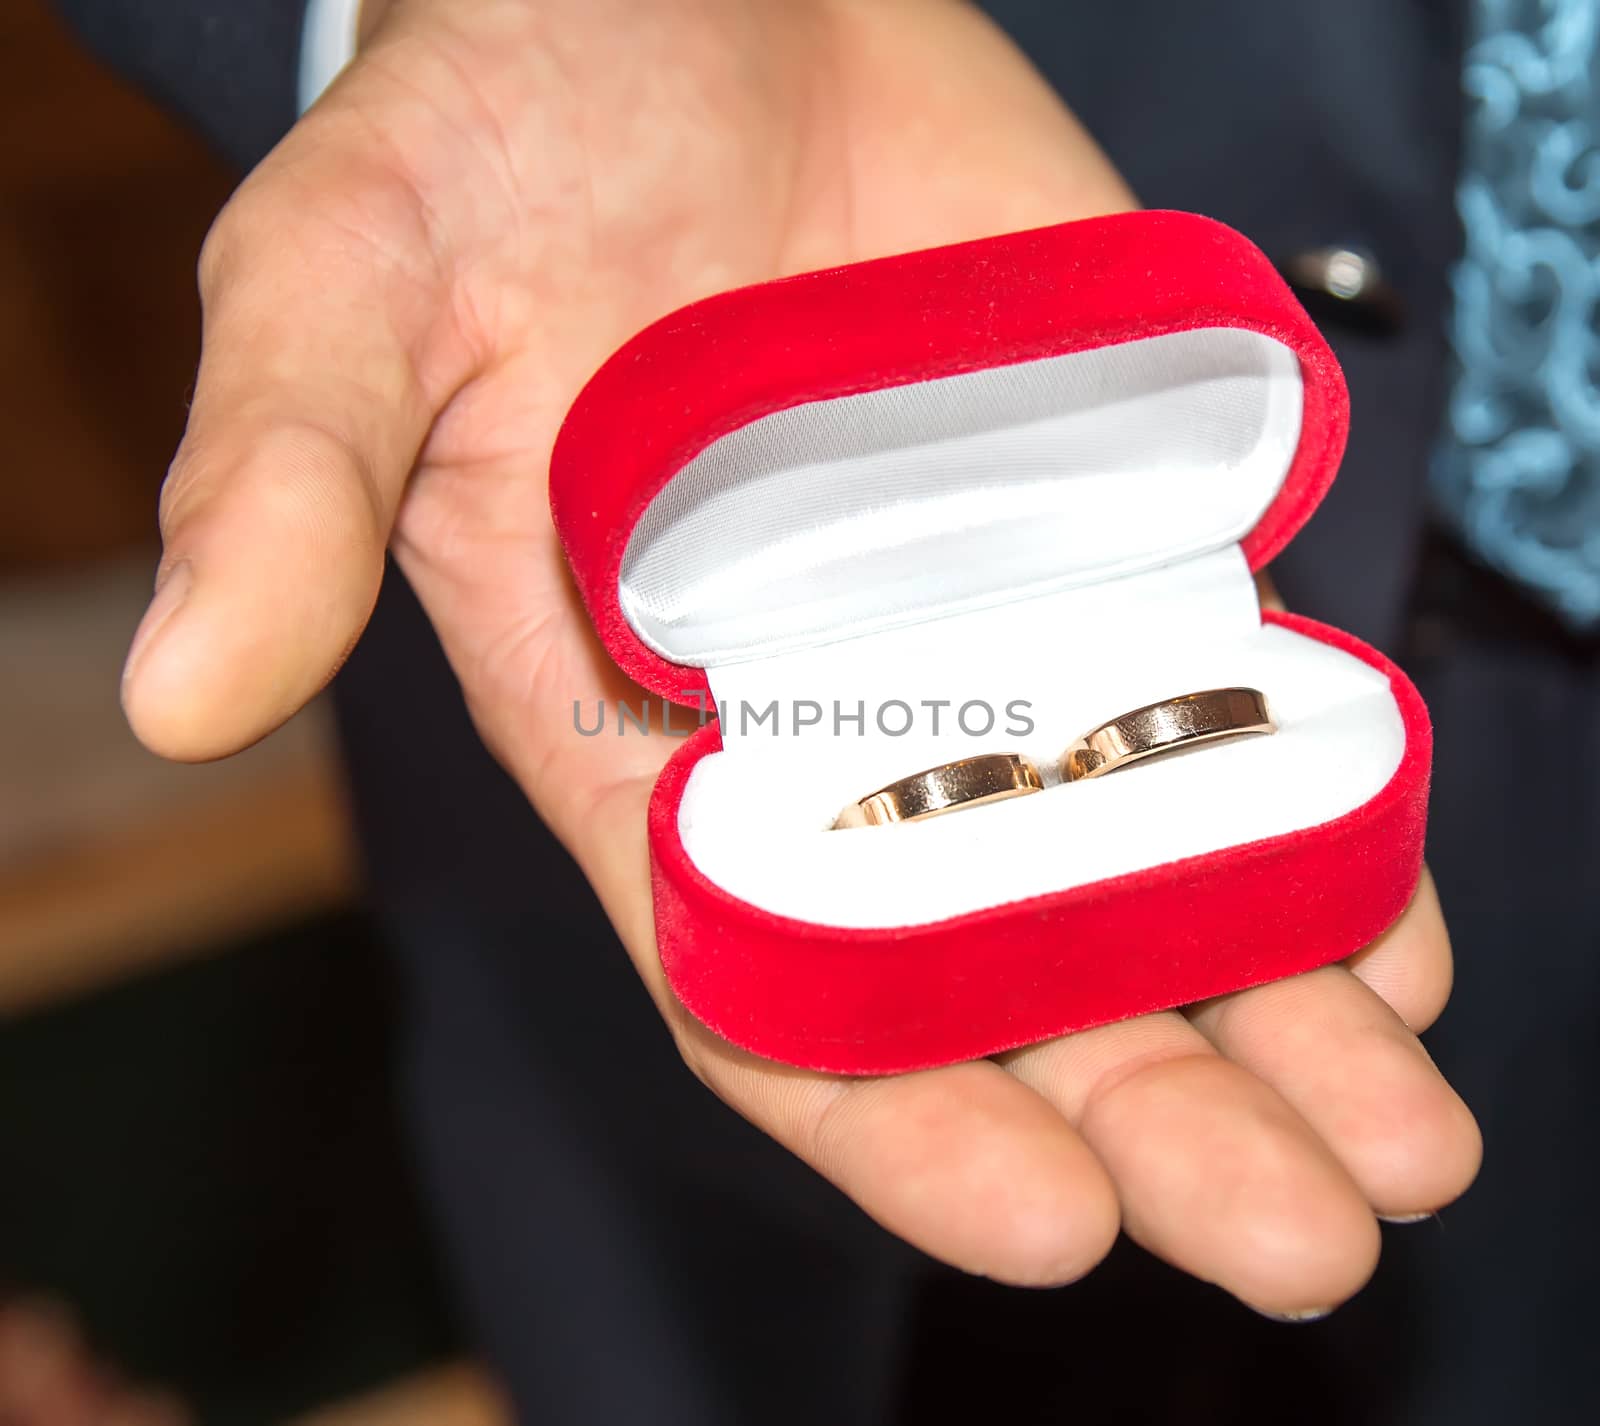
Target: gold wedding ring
(950, 787)
(1187, 721)
(1183, 722)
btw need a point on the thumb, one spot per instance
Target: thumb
(319, 288)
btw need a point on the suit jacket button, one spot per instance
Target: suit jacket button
(1345, 287)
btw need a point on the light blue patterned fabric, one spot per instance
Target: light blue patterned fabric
(1519, 470)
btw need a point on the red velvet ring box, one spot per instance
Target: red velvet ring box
(984, 498)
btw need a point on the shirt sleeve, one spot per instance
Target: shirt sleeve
(328, 44)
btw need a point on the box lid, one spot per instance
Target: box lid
(818, 457)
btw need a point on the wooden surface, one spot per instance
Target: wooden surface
(111, 861)
(103, 203)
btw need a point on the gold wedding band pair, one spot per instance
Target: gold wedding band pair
(1189, 720)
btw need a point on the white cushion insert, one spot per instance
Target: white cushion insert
(756, 816)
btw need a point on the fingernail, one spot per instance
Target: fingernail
(1309, 1314)
(1405, 1217)
(172, 588)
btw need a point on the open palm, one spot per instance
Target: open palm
(400, 305)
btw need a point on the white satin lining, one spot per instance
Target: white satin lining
(841, 517)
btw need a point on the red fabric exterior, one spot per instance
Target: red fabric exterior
(876, 1002)
(719, 364)
(883, 1001)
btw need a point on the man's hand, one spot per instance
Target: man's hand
(400, 305)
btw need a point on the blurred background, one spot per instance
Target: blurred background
(195, 1104)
